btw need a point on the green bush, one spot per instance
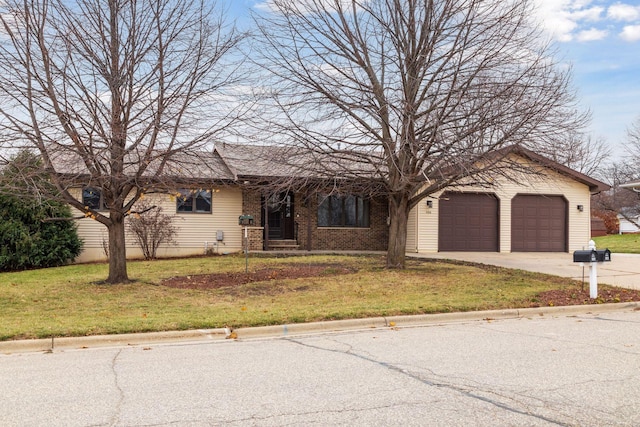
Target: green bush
(29, 238)
(35, 231)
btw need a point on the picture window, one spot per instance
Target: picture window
(343, 211)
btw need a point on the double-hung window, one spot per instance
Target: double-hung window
(194, 201)
(343, 211)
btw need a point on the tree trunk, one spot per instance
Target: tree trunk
(117, 249)
(399, 216)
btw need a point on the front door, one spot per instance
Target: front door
(279, 212)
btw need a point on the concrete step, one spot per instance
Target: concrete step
(283, 245)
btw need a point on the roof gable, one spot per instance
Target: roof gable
(595, 186)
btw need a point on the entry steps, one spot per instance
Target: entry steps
(283, 245)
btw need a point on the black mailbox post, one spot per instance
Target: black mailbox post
(593, 257)
(585, 256)
(604, 255)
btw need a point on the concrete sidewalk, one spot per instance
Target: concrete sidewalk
(623, 270)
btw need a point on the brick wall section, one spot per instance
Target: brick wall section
(255, 238)
(374, 237)
(251, 205)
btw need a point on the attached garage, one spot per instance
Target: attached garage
(468, 222)
(541, 207)
(539, 223)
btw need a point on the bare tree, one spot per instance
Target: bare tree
(583, 153)
(621, 200)
(413, 95)
(617, 200)
(111, 92)
(151, 228)
(632, 145)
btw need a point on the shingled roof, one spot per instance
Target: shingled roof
(233, 162)
(196, 165)
(278, 161)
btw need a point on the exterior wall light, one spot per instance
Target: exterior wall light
(429, 204)
(581, 208)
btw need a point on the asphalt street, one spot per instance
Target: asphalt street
(570, 370)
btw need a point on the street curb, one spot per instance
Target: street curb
(297, 329)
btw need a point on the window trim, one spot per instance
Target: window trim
(191, 192)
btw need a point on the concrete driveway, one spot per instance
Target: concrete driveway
(623, 270)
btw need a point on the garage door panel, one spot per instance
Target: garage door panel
(468, 222)
(538, 224)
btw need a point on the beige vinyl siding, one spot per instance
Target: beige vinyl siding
(426, 228)
(196, 232)
(427, 225)
(412, 231)
(546, 183)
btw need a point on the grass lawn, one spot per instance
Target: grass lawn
(620, 243)
(71, 301)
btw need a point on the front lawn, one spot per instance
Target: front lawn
(174, 294)
(619, 243)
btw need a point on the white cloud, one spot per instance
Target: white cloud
(630, 33)
(623, 12)
(264, 6)
(591, 35)
(554, 19)
(591, 14)
(562, 18)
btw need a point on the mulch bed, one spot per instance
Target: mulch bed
(233, 279)
(578, 296)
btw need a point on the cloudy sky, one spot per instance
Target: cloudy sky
(601, 41)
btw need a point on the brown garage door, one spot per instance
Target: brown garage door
(468, 222)
(538, 224)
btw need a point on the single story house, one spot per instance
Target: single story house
(546, 210)
(627, 226)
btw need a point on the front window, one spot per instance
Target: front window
(92, 198)
(198, 201)
(343, 211)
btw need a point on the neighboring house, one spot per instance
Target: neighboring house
(627, 226)
(545, 210)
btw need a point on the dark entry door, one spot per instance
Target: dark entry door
(281, 223)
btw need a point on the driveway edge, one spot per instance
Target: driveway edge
(280, 331)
